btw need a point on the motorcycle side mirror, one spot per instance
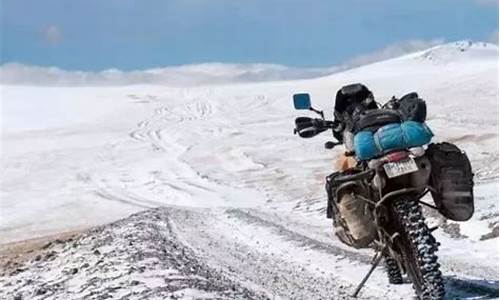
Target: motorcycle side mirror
(302, 101)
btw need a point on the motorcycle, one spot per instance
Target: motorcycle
(390, 187)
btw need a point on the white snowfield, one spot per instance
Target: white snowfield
(76, 157)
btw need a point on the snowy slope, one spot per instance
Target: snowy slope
(74, 157)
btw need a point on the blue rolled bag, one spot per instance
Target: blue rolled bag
(395, 136)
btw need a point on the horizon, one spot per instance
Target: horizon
(360, 60)
(217, 73)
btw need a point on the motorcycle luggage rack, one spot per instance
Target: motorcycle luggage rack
(395, 193)
(368, 174)
(425, 192)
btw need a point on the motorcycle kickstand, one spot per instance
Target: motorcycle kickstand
(376, 260)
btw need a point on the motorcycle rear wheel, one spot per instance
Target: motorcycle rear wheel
(418, 249)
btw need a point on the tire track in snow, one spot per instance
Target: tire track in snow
(217, 238)
(456, 286)
(302, 240)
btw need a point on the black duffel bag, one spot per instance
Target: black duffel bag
(410, 106)
(452, 179)
(373, 119)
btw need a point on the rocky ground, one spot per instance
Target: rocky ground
(136, 258)
(171, 253)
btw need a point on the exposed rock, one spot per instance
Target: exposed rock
(453, 229)
(140, 253)
(493, 234)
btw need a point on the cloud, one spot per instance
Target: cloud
(393, 50)
(209, 73)
(199, 74)
(53, 35)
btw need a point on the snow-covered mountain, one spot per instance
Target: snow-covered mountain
(187, 75)
(239, 191)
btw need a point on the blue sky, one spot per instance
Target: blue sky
(94, 35)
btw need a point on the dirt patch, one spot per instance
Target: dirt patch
(14, 255)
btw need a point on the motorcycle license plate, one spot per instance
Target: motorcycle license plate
(395, 169)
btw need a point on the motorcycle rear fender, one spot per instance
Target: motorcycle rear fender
(419, 178)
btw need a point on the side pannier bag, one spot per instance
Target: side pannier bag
(347, 210)
(452, 179)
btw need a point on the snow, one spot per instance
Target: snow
(187, 75)
(78, 156)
